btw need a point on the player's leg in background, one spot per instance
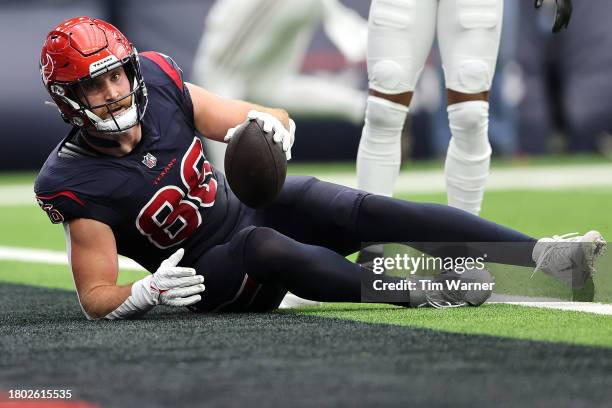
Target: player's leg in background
(217, 61)
(304, 95)
(399, 40)
(241, 58)
(468, 34)
(311, 96)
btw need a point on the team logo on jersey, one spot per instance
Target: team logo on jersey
(149, 160)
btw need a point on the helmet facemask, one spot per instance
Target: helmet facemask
(77, 109)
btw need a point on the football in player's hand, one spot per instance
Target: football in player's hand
(255, 166)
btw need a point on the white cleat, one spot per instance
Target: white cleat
(569, 257)
(291, 301)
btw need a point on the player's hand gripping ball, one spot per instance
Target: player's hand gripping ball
(256, 162)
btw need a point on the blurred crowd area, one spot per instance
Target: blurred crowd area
(551, 93)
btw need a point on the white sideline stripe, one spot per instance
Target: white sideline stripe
(432, 181)
(552, 303)
(515, 178)
(586, 307)
(17, 194)
(60, 258)
(52, 257)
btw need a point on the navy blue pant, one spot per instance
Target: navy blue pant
(300, 241)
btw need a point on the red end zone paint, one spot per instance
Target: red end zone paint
(6, 402)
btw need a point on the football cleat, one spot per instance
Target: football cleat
(570, 257)
(452, 289)
(291, 301)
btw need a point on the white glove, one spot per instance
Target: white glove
(270, 124)
(170, 285)
(175, 285)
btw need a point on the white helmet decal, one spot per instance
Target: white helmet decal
(44, 66)
(104, 65)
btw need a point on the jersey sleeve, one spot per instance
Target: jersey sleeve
(66, 205)
(62, 206)
(169, 79)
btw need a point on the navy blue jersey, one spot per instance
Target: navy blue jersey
(161, 196)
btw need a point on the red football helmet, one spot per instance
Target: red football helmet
(77, 51)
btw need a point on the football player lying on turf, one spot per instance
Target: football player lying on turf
(131, 178)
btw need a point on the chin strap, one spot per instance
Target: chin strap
(100, 142)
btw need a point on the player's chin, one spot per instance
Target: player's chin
(115, 110)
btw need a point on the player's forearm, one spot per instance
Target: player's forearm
(101, 300)
(170, 285)
(214, 115)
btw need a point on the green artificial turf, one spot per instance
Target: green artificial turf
(28, 226)
(502, 320)
(17, 177)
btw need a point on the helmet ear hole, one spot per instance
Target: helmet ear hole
(57, 89)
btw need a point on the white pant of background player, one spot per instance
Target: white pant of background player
(400, 36)
(253, 50)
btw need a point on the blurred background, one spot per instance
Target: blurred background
(552, 94)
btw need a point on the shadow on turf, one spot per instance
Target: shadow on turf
(173, 358)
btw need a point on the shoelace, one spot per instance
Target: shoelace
(569, 237)
(453, 299)
(441, 305)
